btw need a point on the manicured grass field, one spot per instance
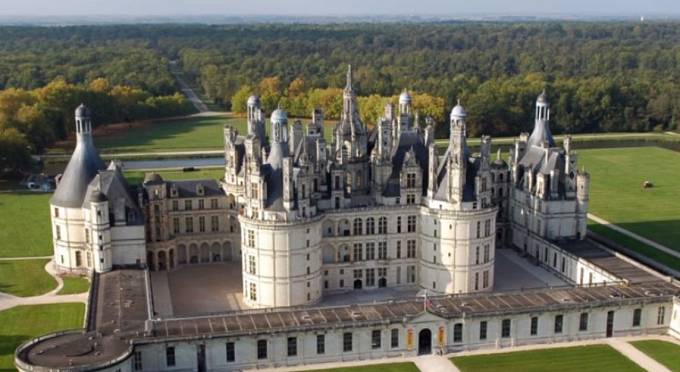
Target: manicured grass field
(616, 192)
(664, 352)
(388, 367)
(25, 278)
(594, 358)
(74, 284)
(22, 323)
(136, 177)
(25, 229)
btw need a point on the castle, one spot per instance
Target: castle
(376, 208)
(306, 220)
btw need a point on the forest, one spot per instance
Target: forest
(600, 77)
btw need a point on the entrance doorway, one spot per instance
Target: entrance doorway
(357, 284)
(425, 342)
(610, 323)
(200, 358)
(382, 282)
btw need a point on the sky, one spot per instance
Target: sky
(337, 7)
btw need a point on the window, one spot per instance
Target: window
(637, 316)
(486, 253)
(56, 212)
(382, 250)
(187, 205)
(357, 274)
(563, 264)
(253, 291)
(411, 274)
(370, 251)
(458, 332)
(382, 225)
(320, 344)
(485, 279)
(201, 224)
(394, 338)
(357, 252)
(410, 199)
(213, 203)
(559, 319)
(398, 249)
(261, 349)
(57, 230)
(583, 322)
(411, 248)
(358, 224)
(505, 328)
(370, 226)
(170, 356)
(251, 265)
(189, 224)
(534, 326)
(482, 330)
(661, 314)
(231, 352)
(370, 277)
(476, 281)
(201, 204)
(138, 361)
(555, 259)
(411, 180)
(79, 259)
(398, 274)
(214, 223)
(347, 342)
(87, 235)
(251, 238)
(175, 225)
(479, 224)
(398, 224)
(476, 255)
(487, 227)
(292, 346)
(175, 205)
(411, 224)
(375, 339)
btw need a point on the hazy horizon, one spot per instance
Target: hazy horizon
(439, 8)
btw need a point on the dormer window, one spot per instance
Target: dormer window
(173, 191)
(199, 190)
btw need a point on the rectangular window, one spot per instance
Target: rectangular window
(486, 253)
(534, 326)
(411, 180)
(505, 328)
(370, 251)
(458, 332)
(487, 227)
(661, 315)
(398, 223)
(476, 281)
(261, 349)
(347, 342)
(56, 212)
(175, 205)
(398, 249)
(137, 362)
(411, 274)
(214, 224)
(476, 255)
(410, 199)
(637, 316)
(170, 356)
(375, 339)
(201, 224)
(189, 225)
(394, 338)
(175, 225)
(57, 230)
(213, 203)
(358, 252)
(251, 265)
(320, 344)
(201, 204)
(583, 322)
(398, 274)
(187, 205)
(479, 227)
(411, 224)
(559, 319)
(251, 239)
(370, 277)
(357, 274)
(482, 330)
(252, 291)
(231, 352)
(292, 346)
(485, 279)
(382, 250)
(411, 248)
(563, 265)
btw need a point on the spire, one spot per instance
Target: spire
(348, 86)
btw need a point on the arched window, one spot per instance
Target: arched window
(370, 226)
(382, 225)
(358, 226)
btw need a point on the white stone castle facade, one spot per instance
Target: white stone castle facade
(376, 208)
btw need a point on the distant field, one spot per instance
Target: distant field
(388, 367)
(616, 192)
(136, 177)
(22, 323)
(595, 358)
(664, 352)
(25, 224)
(25, 277)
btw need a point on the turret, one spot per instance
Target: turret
(404, 103)
(541, 134)
(458, 152)
(295, 137)
(255, 120)
(83, 123)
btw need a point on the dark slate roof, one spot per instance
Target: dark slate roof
(187, 188)
(81, 169)
(540, 134)
(112, 184)
(407, 140)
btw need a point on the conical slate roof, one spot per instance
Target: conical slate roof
(541, 133)
(84, 165)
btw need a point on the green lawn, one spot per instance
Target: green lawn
(25, 278)
(594, 358)
(664, 352)
(388, 367)
(25, 224)
(136, 177)
(617, 196)
(22, 323)
(74, 284)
